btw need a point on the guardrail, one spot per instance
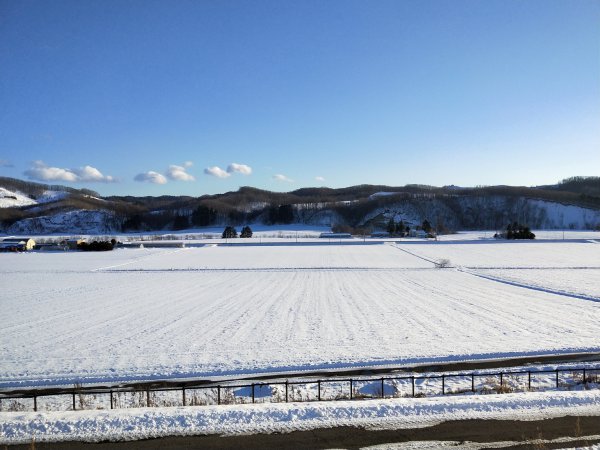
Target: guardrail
(190, 394)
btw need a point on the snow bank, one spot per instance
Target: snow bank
(122, 425)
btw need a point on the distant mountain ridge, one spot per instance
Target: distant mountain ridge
(34, 208)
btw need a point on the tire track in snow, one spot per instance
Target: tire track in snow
(471, 271)
(270, 269)
(133, 261)
(529, 286)
(394, 245)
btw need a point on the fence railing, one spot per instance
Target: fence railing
(189, 394)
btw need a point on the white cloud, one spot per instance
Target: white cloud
(42, 172)
(151, 177)
(91, 174)
(5, 163)
(283, 178)
(239, 168)
(216, 171)
(188, 164)
(319, 179)
(178, 173)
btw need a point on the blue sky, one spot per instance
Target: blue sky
(288, 94)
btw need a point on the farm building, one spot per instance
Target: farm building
(380, 234)
(52, 247)
(336, 235)
(73, 243)
(17, 244)
(418, 233)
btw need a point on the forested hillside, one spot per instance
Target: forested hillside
(571, 203)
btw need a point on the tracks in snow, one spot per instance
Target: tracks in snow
(529, 286)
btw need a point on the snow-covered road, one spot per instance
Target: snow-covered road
(120, 425)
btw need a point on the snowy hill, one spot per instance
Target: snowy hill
(10, 199)
(16, 199)
(81, 221)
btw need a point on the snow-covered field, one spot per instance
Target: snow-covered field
(577, 282)
(290, 257)
(221, 310)
(512, 254)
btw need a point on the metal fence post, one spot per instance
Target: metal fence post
(78, 393)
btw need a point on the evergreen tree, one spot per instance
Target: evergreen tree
(246, 232)
(204, 216)
(286, 214)
(181, 222)
(229, 232)
(400, 228)
(391, 226)
(132, 223)
(509, 232)
(426, 226)
(518, 231)
(281, 214)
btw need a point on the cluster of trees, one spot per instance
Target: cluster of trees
(230, 232)
(516, 231)
(208, 213)
(397, 228)
(283, 214)
(356, 231)
(204, 216)
(401, 230)
(97, 246)
(589, 186)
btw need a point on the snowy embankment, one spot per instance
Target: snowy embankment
(122, 425)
